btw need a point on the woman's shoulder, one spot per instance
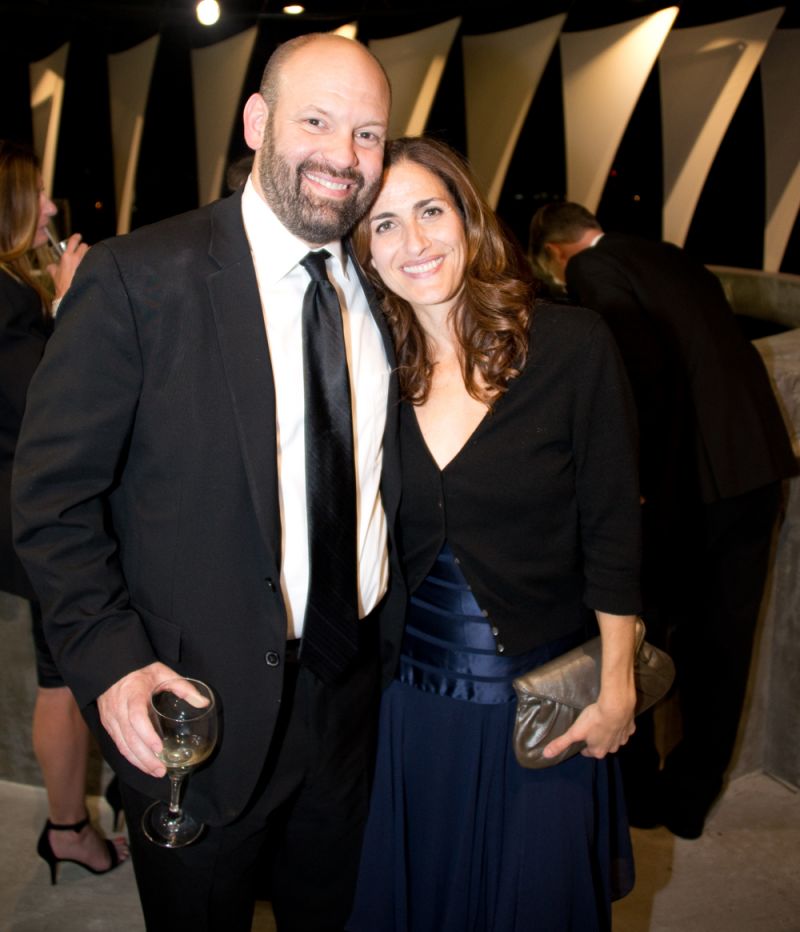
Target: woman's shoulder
(563, 313)
(562, 324)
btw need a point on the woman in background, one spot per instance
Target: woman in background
(60, 736)
(519, 515)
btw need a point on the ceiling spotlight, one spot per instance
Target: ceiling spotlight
(207, 12)
(294, 9)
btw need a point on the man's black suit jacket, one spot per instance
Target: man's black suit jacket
(710, 425)
(146, 487)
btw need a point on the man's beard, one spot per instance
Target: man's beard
(313, 220)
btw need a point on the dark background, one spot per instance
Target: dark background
(727, 228)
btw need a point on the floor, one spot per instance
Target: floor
(743, 875)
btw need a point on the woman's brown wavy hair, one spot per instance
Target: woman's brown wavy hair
(491, 322)
(19, 213)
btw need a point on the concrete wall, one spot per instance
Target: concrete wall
(769, 738)
(770, 296)
(17, 692)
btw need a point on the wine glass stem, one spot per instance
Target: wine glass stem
(175, 781)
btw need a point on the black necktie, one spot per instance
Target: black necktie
(330, 630)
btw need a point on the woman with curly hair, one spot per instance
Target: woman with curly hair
(519, 537)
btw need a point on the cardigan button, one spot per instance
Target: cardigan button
(500, 648)
(495, 630)
(485, 613)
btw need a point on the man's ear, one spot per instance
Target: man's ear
(255, 116)
(554, 252)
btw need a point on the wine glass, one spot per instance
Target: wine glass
(184, 714)
(57, 246)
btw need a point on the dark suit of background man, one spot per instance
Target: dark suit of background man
(714, 450)
(160, 503)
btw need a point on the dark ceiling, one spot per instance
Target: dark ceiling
(40, 25)
(726, 230)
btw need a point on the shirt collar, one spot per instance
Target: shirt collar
(276, 250)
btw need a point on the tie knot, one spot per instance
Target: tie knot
(314, 264)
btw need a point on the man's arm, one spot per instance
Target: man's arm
(71, 455)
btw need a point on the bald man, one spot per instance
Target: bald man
(161, 505)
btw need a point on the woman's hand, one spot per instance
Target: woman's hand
(607, 724)
(63, 271)
(603, 726)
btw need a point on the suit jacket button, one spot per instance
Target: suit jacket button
(270, 584)
(273, 658)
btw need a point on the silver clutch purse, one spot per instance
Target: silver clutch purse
(552, 696)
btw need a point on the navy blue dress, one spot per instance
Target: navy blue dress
(460, 837)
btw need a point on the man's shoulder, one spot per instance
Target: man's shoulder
(611, 250)
(180, 231)
(649, 263)
(622, 245)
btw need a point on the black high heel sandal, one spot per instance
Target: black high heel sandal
(45, 850)
(114, 799)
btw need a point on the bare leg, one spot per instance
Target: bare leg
(61, 745)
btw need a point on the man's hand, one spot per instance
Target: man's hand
(124, 714)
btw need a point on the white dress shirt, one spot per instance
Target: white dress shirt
(282, 283)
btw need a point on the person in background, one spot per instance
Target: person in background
(169, 529)
(519, 535)
(60, 736)
(714, 449)
(237, 172)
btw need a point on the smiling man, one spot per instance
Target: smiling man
(171, 511)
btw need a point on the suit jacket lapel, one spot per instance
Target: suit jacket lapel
(235, 301)
(390, 478)
(374, 306)
(236, 305)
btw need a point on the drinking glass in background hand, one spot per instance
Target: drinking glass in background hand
(184, 713)
(56, 245)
